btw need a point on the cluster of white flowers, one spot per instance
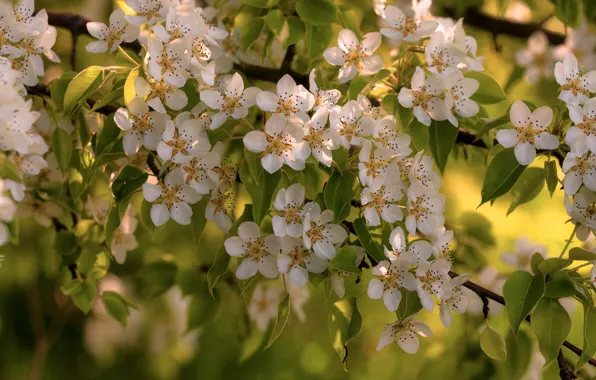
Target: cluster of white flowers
(24, 38)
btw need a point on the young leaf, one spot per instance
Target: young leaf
(275, 20)
(145, 216)
(338, 194)
(260, 3)
(128, 181)
(250, 29)
(261, 190)
(85, 297)
(537, 258)
(420, 135)
(516, 73)
(559, 285)
(296, 31)
(553, 264)
(345, 323)
(550, 176)
(551, 324)
(489, 125)
(569, 12)
(367, 241)
(589, 348)
(410, 304)
(317, 12)
(489, 91)
(283, 313)
(115, 306)
(345, 260)
(441, 141)
(129, 86)
(157, 277)
(82, 86)
(112, 224)
(317, 39)
(580, 254)
(493, 344)
(522, 291)
(107, 135)
(62, 145)
(501, 175)
(528, 186)
(201, 309)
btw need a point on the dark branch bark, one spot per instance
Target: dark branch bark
(486, 293)
(497, 26)
(564, 372)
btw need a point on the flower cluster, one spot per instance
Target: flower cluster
(24, 38)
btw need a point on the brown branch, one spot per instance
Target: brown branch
(497, 26)
(486, 293)
(564, 372)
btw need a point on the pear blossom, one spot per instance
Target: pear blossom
(321, 140)
(529, 132)
(405, 28)
(198, 172)
(351, 123)
(457, 96)
(170, 199)
(263, 305)
(458, 301)
(112, 35)
(442, 56)
(418, 252)
(291, 101)
(323, 98)
(420, 172)
(355, 56)
(218, 209)
(157, 93)
(297, 261)
(584, 120)
(433, 279)
(41, 211)
(3, 238)
(405, 334)
(169, 62)
(581, 42)
(575, 87)
(178, 26)
(319, 234)
(579, 167)
(147, 11)
(582, 212)
(521, 257)
(288, 204)
(424, 97)
(142, 127)
(536, 58)
(442, 245)
(223, 174)
(232, 101)
(425, 207)
(182, 140)
(298, 297)
(97, 208)
(259, 253)
(277, 146)
(124, 237)
(375, 167)
(381, 204)
(385, 135)
(393, 275)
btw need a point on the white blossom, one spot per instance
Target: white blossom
(536, 58)
(425, 207)
(168, 62)
(393, 275)
(291, 101)
(584, 128)
(288, 205)
(405, 334)
(424, 98)
(218, 209)
(575, 87)
(443, 56)
(381, 204)
(112, 35)
(297, 261)
(457, 96)
(458, 301)
(319, 233)
(142, 127)
(124, 239)
(263, 305)
(579, 167)
(406, 28)
(157, 93)
(321, 140)
(416, 253)
(521, 257)
(351, 123)
(182, 140)
(355, 56)
(259, 253)
(433, 279)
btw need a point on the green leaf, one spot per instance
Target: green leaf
(145, 215)
(501, 175)
(58, 89)
(260, 3)
(409, 305)
(129, 86)
(519, 354)
(82, 86)
(338, 194)
(441, 141)
(296, 31)
(198, 219)
(516, 73)
(85, 297)
(551, 324)
(528, 186)
(275, 20)
(589, 348)
(65, 243)
(261, 190)
(62, 145)
(581, 254)
(222, 259)
(345, 322)
(550, 176)
(128, 182)
(317, 39)
(537, 258)
(250, 29)
(71, 287)
(201, 309)
(317, 12)
(106, 136)
(9, 170)
(493, 344)
(489, 91)
(553, 264)
(283, 313)
(420, 135)
(522, 291)
(112, 224)
(345, 260)
(569, 12)
(156, 278)
(115, 306)
(367, 241)
(476, 226)
(559, 285)
(109, 98)
(390, 105)
(489, 125)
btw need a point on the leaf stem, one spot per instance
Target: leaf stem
(128, 57)
(568, 241)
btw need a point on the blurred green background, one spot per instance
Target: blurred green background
(36, 319)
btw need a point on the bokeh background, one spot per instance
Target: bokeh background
(37, 321)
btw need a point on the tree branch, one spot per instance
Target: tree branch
(486, 293)
(564, 372)
(496, 26)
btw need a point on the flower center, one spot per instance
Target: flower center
(573, 85)
(316, 232)
(231, 104)
(177, 144)
(255, 250)
(142, 124)
(416, 207)
(169, 196)
(277, 145)
(286, 106)
(421, 98)
(527, 133)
